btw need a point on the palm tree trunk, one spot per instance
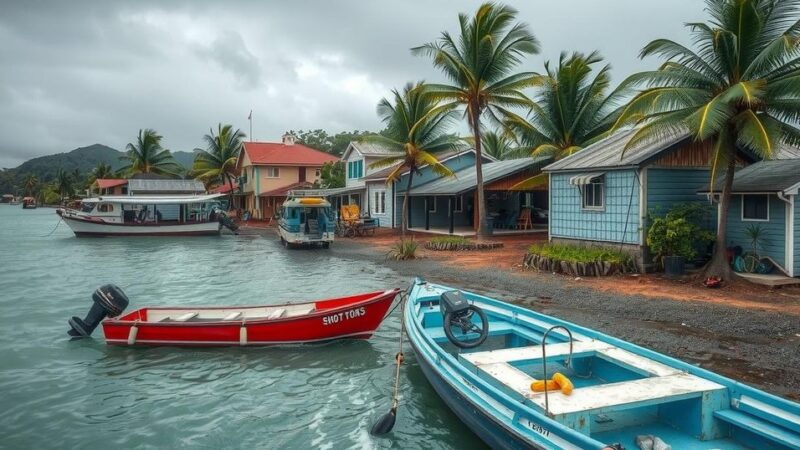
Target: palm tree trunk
(404, 219)
(719, 265)
(230, 191)
(480, 206)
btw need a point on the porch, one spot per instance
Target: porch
(469, 231)
(769, 279)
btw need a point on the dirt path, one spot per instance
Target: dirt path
(751, 335)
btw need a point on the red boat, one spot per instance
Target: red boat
(353, 317)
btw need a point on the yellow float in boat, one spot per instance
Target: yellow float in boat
(558, 381)
(311, 201)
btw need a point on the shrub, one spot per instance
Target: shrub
(454, 240)
(677, 233)
(578, 253)
(403, 249)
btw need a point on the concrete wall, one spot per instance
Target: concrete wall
(617, 222)
(773, 243)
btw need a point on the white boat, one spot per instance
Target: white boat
(306, 221)
(183, 215)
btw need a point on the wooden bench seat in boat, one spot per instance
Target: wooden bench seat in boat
(276, 313)
(186, 317)
(760, 427)
(233, 316)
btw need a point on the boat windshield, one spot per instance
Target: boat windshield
(87, 207)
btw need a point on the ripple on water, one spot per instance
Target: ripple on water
(84, 394)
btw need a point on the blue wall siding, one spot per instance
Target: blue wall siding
(427, 175)
(667, 187)
(796, 235)
(773, 243)
(569, 220)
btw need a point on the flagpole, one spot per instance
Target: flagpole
(250, 118)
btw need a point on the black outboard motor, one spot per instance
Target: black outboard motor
(109, 300)
(458, 313)
(227, 222)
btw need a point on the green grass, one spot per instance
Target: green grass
(577, 253)
(457, 240)
(403, 250)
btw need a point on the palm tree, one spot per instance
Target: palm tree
(147, 156)
(738, 88)
(64, 184)
(31, 182)
(572, 108)
(479, 63)
(416, 130)
(218, 161)
(102, 170)
(498, 145)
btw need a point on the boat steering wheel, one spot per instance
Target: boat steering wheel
(462, 321)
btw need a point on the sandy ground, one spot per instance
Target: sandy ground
(746, 332)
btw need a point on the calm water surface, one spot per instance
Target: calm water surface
(84, 394)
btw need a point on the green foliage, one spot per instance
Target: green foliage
(31, 184)
(319, 139)
(499, 146)
(331, 175)
(216, 164)
(756, 235)
(50, 195)
(578, 253)
(147, 155)
(403, 250)
(455, 240)
(677, 233)
(64, 184)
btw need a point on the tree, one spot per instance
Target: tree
(479, 63)
(217, 163)
(319, 139)
(331, 175)
(498, 145)
(416, 130)
(572, 108)
(31, 184)
(738, 89)
(64, 184)
(102, 170)
(147, 156)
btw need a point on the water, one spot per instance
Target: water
(84, 394)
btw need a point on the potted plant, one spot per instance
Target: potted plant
(674, 237)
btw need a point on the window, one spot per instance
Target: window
(431, 201)
(355, 169)
(459, 206)
(272, 172)
(755, 207)
(105, 207)
(593, 193)
(318, 172)
(379, 202)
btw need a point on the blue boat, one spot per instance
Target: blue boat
(484, 362)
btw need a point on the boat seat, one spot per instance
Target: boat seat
(300, 311)
(233, 316)
(276, 314)
(776, 433)
(186, 317)
(767, 412)
(533, 352)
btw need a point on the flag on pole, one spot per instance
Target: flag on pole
(250, 116)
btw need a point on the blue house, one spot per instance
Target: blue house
(602, 194)
(765, 195)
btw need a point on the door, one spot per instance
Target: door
(301, 174)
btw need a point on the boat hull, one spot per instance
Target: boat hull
(354, 317)
(87, 228)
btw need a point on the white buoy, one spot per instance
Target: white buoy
(132, 335)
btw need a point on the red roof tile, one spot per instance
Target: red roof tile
(105, 183)
(273, 153)
(224, 189)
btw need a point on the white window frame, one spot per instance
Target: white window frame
(583, 190)
(272, 172)
(459, 204)
(379, 204)
(746, 219)
(430, 203)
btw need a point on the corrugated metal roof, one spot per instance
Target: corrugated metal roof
(369, 148)
(785, 151)
(467, 179)
(167, 186)
(384, 173)
(610, 152)
(765, 176)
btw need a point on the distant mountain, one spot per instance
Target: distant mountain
(83, 158)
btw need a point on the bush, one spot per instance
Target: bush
(677, 233)
(453, 240)
(578, 253)
(404, 249)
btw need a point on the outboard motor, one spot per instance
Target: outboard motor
(109, 300)
(458, 313)
(227, 222)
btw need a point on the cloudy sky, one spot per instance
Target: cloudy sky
(82, 72)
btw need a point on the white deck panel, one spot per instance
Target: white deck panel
(624, 393)
(654, 368)
(510, 376)
(534, 352)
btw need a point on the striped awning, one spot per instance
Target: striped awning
(584, 178)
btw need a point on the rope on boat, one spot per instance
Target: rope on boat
(399, 356)
(54, 228)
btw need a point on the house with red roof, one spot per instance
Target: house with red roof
(269, 170)
(109, 186)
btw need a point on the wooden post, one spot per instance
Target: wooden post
(408, 212)
(427, 214)
(451, 203)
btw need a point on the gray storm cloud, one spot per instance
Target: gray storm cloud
(79, 72)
